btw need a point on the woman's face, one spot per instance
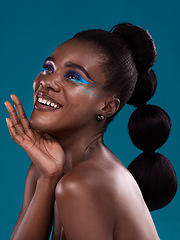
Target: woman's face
(68, 92)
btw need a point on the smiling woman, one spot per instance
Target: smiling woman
(75, 184)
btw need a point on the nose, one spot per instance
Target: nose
(48, 83)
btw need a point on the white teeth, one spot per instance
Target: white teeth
(45, 102)
(40, 100)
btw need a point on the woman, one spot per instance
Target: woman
(74, 178)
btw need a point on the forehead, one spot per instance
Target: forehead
(75, 49)
(84, 54)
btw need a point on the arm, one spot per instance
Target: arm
(30, 186)
(48, 159)
(35, 219)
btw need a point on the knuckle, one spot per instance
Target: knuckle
(23, 115)
(12, 112)
(17, 122)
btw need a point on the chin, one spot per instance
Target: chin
(36, 126)
(38, 123)
(43, 124)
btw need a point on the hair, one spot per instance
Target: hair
(127, 54)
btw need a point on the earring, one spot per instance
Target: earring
(100, 118)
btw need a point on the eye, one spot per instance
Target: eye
(75, 77)
(47, 68)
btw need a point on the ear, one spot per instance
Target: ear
(111, 106)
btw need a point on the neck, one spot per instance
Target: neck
(77, 145)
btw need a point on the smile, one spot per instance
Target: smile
(46, 103)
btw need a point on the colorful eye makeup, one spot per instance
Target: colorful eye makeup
(47, 68)
(71, 75)
(87, 91)
(76, 77)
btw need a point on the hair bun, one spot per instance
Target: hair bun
(141, 44)
(149, 127)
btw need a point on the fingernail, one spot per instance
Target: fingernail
(12, 96)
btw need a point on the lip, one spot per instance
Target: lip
(42, 107)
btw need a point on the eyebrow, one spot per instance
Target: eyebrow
(74, 65)
(51, 59)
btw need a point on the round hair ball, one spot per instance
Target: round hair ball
(149, 127)
(156, 179)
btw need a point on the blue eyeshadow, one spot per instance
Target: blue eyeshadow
(76, 77)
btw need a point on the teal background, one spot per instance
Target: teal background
(30, 30)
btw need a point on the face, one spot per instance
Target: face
(68, 92)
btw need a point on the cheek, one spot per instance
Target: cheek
(83, 96)
(36, 83)
(87, 90)
(79, 109)
(34, 86)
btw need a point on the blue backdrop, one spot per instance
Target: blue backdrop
(31, 30)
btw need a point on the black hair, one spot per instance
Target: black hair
(127, 54)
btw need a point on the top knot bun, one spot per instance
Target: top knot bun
(141, 44)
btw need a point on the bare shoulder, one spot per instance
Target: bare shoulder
(106, 183)
(84, 202)
(86, 178)
(110, 190)
(88, 175)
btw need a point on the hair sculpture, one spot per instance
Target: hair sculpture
(127, 54)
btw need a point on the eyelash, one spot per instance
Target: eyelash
(47, 68)
(76, 77)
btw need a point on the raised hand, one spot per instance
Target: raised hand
(44, 151)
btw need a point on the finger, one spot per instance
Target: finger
(14, 134)
(21, 113)
(12, 113)
(7, 121)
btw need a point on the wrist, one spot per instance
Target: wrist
(49, 181)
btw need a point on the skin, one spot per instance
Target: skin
(74, 176)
